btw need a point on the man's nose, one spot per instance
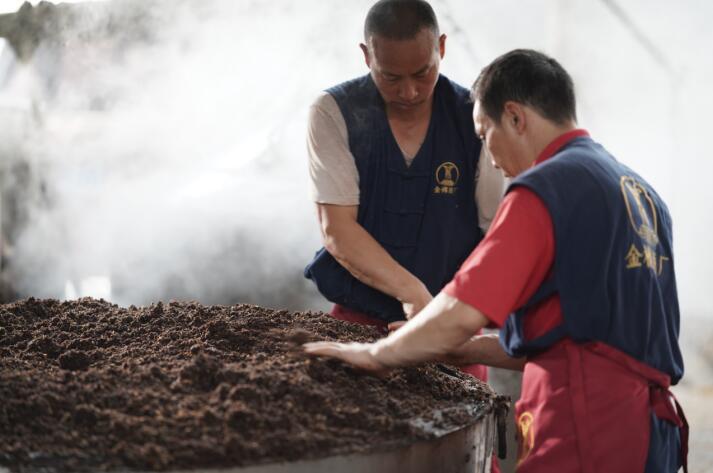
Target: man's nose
(408, 90)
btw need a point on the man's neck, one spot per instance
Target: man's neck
(546, 134)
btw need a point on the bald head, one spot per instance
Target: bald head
(399, 20)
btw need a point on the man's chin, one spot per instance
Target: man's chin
(407, 106)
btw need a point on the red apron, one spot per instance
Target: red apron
(586, 408)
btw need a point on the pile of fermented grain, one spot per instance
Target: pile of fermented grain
(89, 385)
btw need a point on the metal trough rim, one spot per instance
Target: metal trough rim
(464, 450)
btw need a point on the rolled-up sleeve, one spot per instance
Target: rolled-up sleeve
(489, 189)
(334, 178)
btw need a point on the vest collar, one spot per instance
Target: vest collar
(559, 143)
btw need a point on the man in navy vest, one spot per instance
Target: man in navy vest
(577, 270)
(402, 194)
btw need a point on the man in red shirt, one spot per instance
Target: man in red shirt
(577, 271)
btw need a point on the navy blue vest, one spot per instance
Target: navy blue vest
(425, 214)
(613, 266)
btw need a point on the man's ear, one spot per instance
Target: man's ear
(514, 116)
(442, 45)
(367, 58)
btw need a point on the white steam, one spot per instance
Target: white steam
(176, 166)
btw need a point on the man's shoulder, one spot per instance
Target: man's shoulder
(581, 169)
(459, 93)
(347, 97)
(457, 102)
(356, 86)
(582, 155)
(563, 166)
(324, 102)
(357, 100)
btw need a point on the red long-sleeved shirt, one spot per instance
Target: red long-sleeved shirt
(514, 258)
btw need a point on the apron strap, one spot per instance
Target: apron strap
(684, 434)
(666, 407)
(661, 398)
(579, 405)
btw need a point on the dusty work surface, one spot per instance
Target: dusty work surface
(88, 385)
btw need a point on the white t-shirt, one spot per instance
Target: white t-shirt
(334, 178)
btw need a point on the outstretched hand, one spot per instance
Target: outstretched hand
(359, 355)
(443, 330)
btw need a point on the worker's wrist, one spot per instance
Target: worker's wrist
(395, 352)
(412, 290)
(385, 354)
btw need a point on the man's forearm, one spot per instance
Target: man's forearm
(485, 350)
(360, 254)
(441, 327)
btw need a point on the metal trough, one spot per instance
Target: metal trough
(466, 450)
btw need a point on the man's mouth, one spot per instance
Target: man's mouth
(408, 104)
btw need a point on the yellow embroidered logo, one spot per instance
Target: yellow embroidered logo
(643, 218)
(526, 434)
(447, 176)
(641, 210)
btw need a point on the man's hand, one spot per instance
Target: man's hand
(359, 355)
(415, 299)
(394, 326)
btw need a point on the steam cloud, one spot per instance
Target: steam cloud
(171, 160)
(169, 156)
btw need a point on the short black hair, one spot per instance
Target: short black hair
(530, 78)
(400, 19)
